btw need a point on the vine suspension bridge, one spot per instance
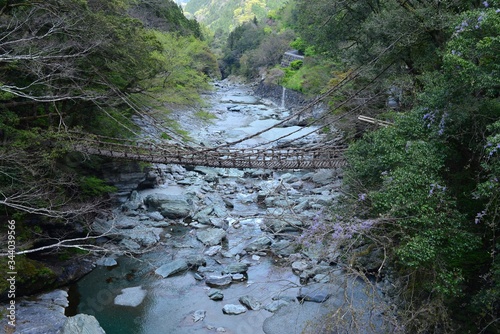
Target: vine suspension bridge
(225, 157)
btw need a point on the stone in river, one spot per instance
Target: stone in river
(236, 268)
(107, 262)
(199, 315)
(170, 206)
(211, 236)
(313, 294)
(250, 302)
(131, 296)
(215, 294)
(218, 281)
(258, 244)
(172, 268)
(234, 309)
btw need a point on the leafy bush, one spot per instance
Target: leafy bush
(93, 187)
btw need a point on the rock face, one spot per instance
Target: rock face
(172, 268)
(41, 315)
(131, 297)
(82, 324)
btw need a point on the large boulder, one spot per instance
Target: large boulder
(145, 236)
(82, 324)
(170, 206)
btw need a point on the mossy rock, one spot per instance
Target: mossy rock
(32, 276)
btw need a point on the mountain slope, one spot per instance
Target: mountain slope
(225, 15)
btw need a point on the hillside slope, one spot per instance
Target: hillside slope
(225, 15)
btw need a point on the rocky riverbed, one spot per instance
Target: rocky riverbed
(217, 250)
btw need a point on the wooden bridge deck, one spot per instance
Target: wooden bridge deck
(272, 158)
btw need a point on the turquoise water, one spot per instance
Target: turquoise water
(98, 290)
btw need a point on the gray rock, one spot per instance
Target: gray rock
(236, 268)
(125, 223)
(203, 216)
(288, 299)
(215, 295)
(152, 179)
(234, 309)
(106, 262)
(170, 206)
(145, 236)
(288, 224)
(82, 324)
(196, 260)
(211, 236)
(238, 277)
(220, 211)
(134, 202)
(321, 278)
(258, 244)
(302, 206)
(218, 281)
(213, 250)
(43, 314)
(283, 248)
(155, 215)
(250, 302)
(317, 294)
(172, 268)
(102, 226)
(199, 315)
(299, 266)
(324, 176)
(276, 305)
(131, 296)
(130, 245)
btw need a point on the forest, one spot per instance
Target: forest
(428, 183)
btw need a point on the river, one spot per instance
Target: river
(235, 226)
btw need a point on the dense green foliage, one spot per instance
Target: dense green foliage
(432, 177)
(431, 180)
(86, 65)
